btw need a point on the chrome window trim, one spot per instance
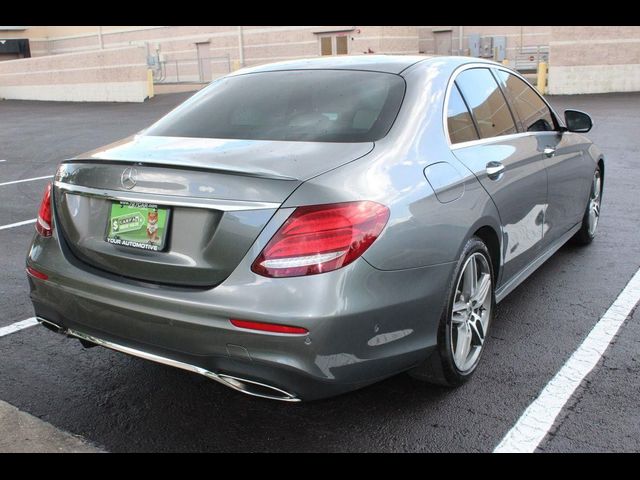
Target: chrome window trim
(169, 200)
(483, 141)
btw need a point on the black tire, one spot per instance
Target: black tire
(586, 234)
(440, 368)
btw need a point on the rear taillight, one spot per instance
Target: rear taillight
(321, 238)
(43, 222)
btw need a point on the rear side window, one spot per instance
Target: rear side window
(486, 101)
(533, 112)
(304, 105)
(459, 121)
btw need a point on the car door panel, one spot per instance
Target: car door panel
(509, 166)
(520, 195)
(569, 171)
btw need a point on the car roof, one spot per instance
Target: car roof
(376, 63)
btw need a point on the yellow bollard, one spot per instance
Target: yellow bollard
(235, 65)
(541, 85)
(150, 93)
(505, 62)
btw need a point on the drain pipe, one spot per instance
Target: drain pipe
(241, 46)
(100, 38)
(460, 38)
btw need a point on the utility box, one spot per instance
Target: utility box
(499, 48)
(486, 47)
(474, 44)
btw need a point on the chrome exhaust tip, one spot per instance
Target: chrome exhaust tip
(54, 327)
(257, 389)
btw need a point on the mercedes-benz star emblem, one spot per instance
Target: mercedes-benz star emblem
(129, 178)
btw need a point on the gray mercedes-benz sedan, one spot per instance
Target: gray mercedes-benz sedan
(306, 228)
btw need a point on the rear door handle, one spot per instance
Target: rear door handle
(494, 170)
(549, 151)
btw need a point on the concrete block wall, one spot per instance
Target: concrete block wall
(582, 59)
(594, 60)
(385, 40)
(111, 75)
(260, 44)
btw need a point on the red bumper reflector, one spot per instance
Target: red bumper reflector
(35, 273)
(268, 327)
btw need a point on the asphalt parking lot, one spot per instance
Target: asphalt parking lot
(120, 403)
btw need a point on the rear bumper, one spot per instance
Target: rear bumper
(364, 324)
(243, 385)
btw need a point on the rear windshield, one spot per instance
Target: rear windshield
(308, 105)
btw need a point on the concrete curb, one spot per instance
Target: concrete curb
(21, 432)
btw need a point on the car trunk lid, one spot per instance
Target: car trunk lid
(220, 195)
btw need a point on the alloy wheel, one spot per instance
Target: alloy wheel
(594, 203)
(471, 312)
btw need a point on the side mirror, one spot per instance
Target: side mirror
(577, 121)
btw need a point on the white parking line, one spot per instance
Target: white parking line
(2, 161)
(18, 224)
(538, 418)
(16, 327)
(25, 180)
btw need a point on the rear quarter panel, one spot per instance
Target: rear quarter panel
(422, 230)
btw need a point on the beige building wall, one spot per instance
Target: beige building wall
(582, 59)
(227, 47)
(516, 38)
(594, 60)
(111, 75)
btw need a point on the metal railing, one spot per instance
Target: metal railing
(191, 70)
(528, 58)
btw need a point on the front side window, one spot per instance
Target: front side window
(303, 105)
(459, 121)
(533, 112)
(487, 103)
